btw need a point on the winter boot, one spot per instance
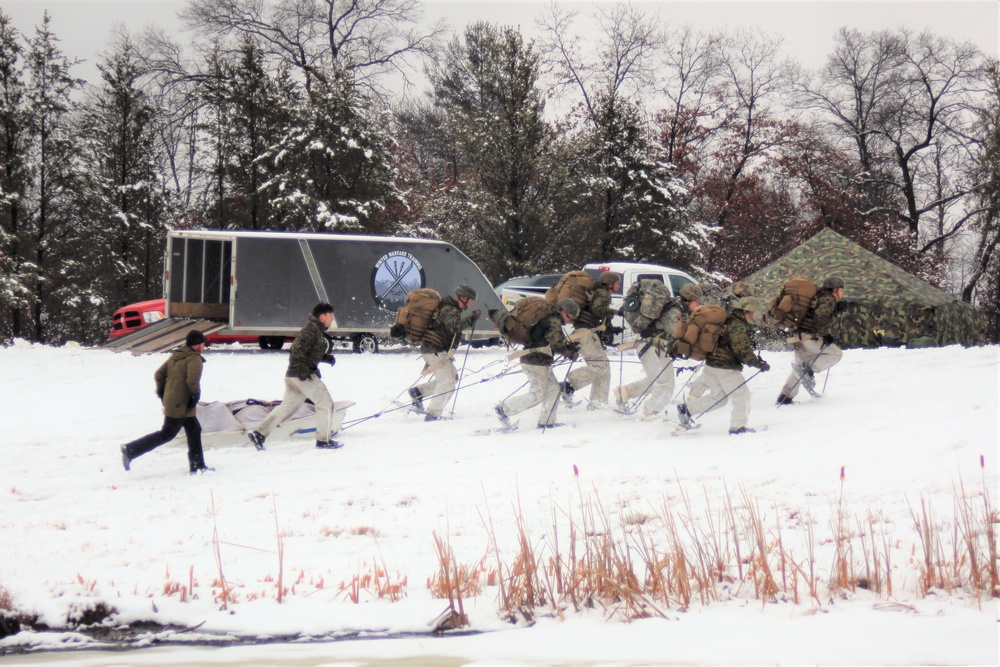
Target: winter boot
(566, 392)
(126, 459)
(552, 425)
(741, 430)
(783, 399)
(502, 416)
(621, 396)
(257, 440)
(201, 470)
(418, 400)
(432, 418)
(684, 416)
(328, 444)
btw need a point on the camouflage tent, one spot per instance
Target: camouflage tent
(883, 302)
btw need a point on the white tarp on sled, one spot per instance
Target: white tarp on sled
(227, 424)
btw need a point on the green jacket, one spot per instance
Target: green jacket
(448, 323)
(178, 380)
(598, 311)
(307, 351)
(734, 348)
(547, 338)
(819, 318)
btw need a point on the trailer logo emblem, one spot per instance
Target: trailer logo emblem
(396, 274)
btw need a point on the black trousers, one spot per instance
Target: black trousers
(171, 427)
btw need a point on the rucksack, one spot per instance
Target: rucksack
(644, 303)
(711, 293)
(792, 304)
(576, 285)
(698, 335)
(416, 316)
(517, 324)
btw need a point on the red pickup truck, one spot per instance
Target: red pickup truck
(135, 316)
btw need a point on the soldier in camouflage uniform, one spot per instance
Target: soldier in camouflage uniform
(547, 339)
(721, 378)
(592, 319)
(815, 347)
(448, 325)
(654, 354)
(303, 380)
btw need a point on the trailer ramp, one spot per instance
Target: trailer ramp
(162, 336)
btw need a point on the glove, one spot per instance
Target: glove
(475, 315)
(828, 339)
(329, 359)
(159, 395)
(397, 331)
(764, 366)
(303, 377)
(193, 400)
(572, 350)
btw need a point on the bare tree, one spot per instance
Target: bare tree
(366, 38)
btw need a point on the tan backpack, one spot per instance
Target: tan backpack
(792, 304)
(698, 335)
(517, 324)
(576, 285)
(416, 316)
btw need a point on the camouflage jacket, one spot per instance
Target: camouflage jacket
(662, 332)
(598, 311)
(178, 380)
(547, 338)
(448, 323)
(307, 351)
(819, 318)
(734, 348)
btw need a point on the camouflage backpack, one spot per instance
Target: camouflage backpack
(517, 324)
(793, 302)
(576, 285)
(644, 303)
(416, 315)
(698, 335)
(711, 293)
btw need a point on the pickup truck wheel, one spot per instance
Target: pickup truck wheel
(366, 343)
(271, 342)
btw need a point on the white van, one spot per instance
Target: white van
(630, 272)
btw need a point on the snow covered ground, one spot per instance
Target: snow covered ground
(907, 427)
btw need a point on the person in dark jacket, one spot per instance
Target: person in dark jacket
(547, 340)
(722, 378)
(303, 380)
(815, 347)
(437, 352)
(178, 386)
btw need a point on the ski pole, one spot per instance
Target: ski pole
(724, 398)
(555, 403)
(458, 379)
(694, 370)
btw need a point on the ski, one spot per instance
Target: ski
(498, 429)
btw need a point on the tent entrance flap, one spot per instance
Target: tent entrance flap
(163, 335)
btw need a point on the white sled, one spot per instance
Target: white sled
(227, 424)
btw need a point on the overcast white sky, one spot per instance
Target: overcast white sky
(806, 25)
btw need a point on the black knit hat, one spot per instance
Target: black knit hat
(194, 337)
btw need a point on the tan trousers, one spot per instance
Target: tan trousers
(659, 380)
(596, 372)
(296, 393)
(808, 353)
(442, 381)
(542, 388)
(711, 385)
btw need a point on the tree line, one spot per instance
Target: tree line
(611, 136)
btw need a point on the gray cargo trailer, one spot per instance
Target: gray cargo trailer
(266, 283)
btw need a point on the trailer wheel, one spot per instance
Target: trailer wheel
(366, 342)
(271, 342)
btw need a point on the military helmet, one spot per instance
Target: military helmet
(608, 278)
(466, 291)
(740, 288)
(833, 283)
(568, 306)
(751, 304)
(691, 292)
